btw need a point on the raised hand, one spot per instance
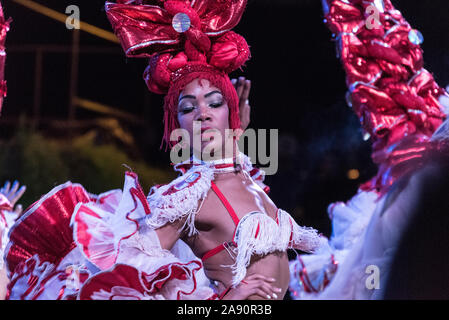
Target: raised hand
(13, 193)
(243, 87)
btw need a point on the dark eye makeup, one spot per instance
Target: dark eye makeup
(185, 110)
(216, 104)
(188, 108)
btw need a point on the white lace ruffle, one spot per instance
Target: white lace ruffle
(349, 224)
(5, 226)
(258, 234)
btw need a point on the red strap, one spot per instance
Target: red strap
(225, 203)
(224, 293)
(213, 252)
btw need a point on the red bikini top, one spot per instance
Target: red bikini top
(234, 217)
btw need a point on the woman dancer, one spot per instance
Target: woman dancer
(121, 245)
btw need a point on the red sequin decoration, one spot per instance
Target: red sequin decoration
(389, 90)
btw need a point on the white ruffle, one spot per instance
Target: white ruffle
(46, 281)
(349, 224)
(349, 220)
(144, 252)
(258, 234)
(370, 258)
(184, 203)
(5, 226)
(98, 227)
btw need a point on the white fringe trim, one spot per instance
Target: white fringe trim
(271, 237)
(185, 202)
(306, 239)
(180, 204)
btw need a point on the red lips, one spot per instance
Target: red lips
(205, 128)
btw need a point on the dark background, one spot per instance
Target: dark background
(298, 87)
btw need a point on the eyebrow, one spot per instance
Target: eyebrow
(211, 93)
(187, 97)
(206, 95)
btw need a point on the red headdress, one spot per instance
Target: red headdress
(184, 40)
(4, 28)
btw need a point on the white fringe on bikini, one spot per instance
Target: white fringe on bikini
(258, 234)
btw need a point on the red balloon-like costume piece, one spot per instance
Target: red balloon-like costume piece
(389, 89)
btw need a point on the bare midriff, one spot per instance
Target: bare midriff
(215, 227)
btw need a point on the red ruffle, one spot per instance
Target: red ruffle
(44, 229)
(125, 276)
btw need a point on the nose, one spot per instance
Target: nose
(202, 113)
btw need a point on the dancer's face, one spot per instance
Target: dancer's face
(204, 104)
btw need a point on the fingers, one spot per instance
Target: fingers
(13, 193)
(18, 210)
(264, 290)
(239, 86)
(262, 286)
(234, 83)
(257, 276)
(254, 286)
(14, 187)
(5, 189)
(269, 291)
(243, 87)
(18, 194)
(245, 91)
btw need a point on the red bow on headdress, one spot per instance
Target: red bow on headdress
(185, 40)
(175, 33)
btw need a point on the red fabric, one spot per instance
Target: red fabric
(390, 92)
(234, 217)
(44, 229)
(103, 250)
(207, 50)
(86, 241)
(226, 203)
(408, 155)
(145, 27)
(213, 252)
(34, 270)
(129, 277)
(120, 275)
(4, 203)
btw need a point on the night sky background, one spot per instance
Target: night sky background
(298, 87)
